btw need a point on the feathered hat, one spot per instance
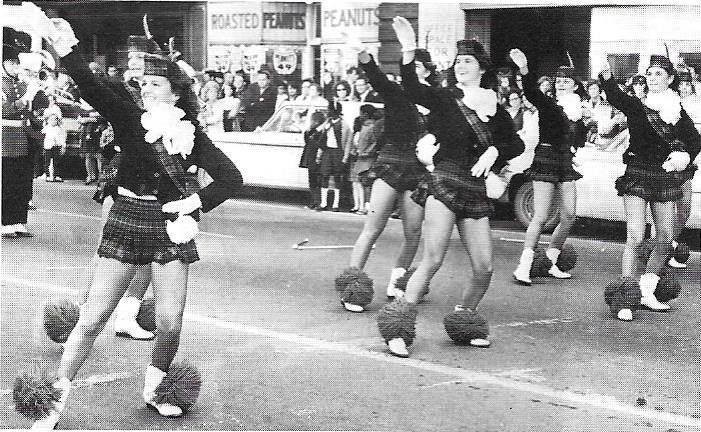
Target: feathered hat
(567, 71)
(147, 58)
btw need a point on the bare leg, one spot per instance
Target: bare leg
(683, 209)
(542, 201)
(663, 214)
(477, 239)
(439, 222)
(412, 219)
(568, 214)
(109, 284)
(381, 205)
(170, 291)
(635, 233)
(139, 284)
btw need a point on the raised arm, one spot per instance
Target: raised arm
(530, 81)
(376, 77)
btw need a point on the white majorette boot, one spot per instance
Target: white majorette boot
(648, 284)
(625, 315)
(553, 254)
(673, 261)
(397, 346)
(522, 274)
(153, 377)
(49, 422)
(125, 320)
(397, 272)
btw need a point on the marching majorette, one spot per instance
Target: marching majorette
(154, 217)
(561, 131)
(476, 135)
(395, 173)
(663, 141)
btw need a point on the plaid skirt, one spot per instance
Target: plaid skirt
(651, 184)
(332, 162)
(402, 172)
(135, 233)
(552, 165)
(454, 186)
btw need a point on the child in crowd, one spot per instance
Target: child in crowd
(54, 146)
(363, 153)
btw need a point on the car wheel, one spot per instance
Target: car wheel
(523, 208)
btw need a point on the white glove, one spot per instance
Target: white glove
(183, 206)
(605, 67)
(182, 230)
(426, 147)
(405, 33)
(485, 162)
(62, 37)
(676, 161)
(496, 186)
(519, 58)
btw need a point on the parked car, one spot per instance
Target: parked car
(270, 155)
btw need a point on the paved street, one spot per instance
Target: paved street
(278, 352)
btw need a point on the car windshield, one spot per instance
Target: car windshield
(291, 119)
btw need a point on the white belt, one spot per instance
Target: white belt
(14, 123)
(127, 193)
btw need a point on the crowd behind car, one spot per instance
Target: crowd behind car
(230, 102)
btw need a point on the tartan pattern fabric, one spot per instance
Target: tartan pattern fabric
(135, 233)
(187, 184)
(400, 176)
(481, 130)
(552, 165)
(663, 129)
(650, 184)
(454, 186)
(107, 180)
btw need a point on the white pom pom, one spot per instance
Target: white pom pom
(182, 230)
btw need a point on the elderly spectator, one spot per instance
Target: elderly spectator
(231, 108)
(259, 102)
(604, 123)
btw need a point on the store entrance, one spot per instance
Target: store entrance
(545, 35)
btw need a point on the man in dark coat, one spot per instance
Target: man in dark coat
(259, 102)
(16, 159)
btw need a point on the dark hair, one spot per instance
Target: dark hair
(318, 117)
(345, 84)
(264, 72)
(181, 84)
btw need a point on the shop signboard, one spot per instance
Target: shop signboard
(359, 19)
(255, 22)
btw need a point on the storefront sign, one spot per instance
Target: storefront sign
(359, 19)
(256, 22)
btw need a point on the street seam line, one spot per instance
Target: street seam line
(593, 400)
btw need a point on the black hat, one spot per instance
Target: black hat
(138, 43)
(663, 62)
(638, 79)
(474, 48)
(684, 75)
(422, 55)
(565, 72)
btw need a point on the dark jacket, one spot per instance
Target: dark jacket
(139, 169)
(646, 146)
(401, 126)
(458, 140)
(14, 132)
(553, 125)
(258, 107)
(311, 147)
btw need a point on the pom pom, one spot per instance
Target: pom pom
(623, 293)
(401, 283)
(182, 230)
(668, 288)
(355, 287)
(567, 259)
(59, 319)
(465, 325)
(645, 249)
(181, 386)
(681, 252)
(541, 263)
(398, 320)
(147, 314)
(35, 396)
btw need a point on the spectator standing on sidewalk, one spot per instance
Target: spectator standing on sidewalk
(259, 102)
(54, 147)
(90, 130)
